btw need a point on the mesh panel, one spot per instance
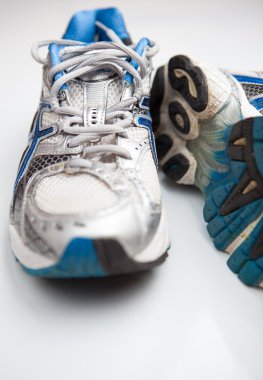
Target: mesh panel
(55, 139)
(49, 118)
(114, 92)
(41, 162)
(73, 194)
(252, 90)
(76, 94)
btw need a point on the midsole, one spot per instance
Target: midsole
(159, 243)
(27, 256)
(34, 260)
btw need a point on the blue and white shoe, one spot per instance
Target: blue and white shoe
(87, 201)
(209, 133)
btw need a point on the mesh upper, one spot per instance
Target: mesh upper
(49, 118)
(252, 90)
(64, 194)
(76, 94)
(114, 92)
(41, 162)
(73, 194)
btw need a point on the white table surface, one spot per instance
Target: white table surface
(189, 319)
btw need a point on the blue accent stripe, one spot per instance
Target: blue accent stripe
(245, 79)
(145, 122)
(140, 47)
(257, 103)
(55, 58)
(37, 136)
(145, 103)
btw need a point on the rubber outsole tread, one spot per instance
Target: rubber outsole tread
(176, 167)
(163, 145)
(181, 62)
(176, 111)
(246, 208)
(233, 200)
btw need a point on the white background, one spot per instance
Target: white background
(189, 319)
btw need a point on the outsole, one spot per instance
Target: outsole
(234, 206)
(86, 258)
(177, 67)
(233, 201)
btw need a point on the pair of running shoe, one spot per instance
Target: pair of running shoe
(87, 200)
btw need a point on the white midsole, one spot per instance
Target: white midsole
(35, 260)
(159, 244)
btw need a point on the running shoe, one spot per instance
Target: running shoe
(87, 200)
(209, 133)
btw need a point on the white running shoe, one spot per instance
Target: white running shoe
(87, 201)
(209, 132)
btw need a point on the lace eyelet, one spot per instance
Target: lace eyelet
(62, 96)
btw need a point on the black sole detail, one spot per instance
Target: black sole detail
(179, 117)
(163, 145)
(176, 167)
(181, 62)
(157, 94)
(257, 249)
(114, 259)
(240, 148)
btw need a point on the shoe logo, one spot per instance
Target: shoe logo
(37, 135)
(146, 122)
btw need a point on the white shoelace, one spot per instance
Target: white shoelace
(77, 60)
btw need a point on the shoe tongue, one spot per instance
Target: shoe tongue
(93, 97)
(82, 26)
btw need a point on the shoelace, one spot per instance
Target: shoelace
(78, 60)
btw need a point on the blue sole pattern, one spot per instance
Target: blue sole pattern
(79, 260)
(242, 186)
